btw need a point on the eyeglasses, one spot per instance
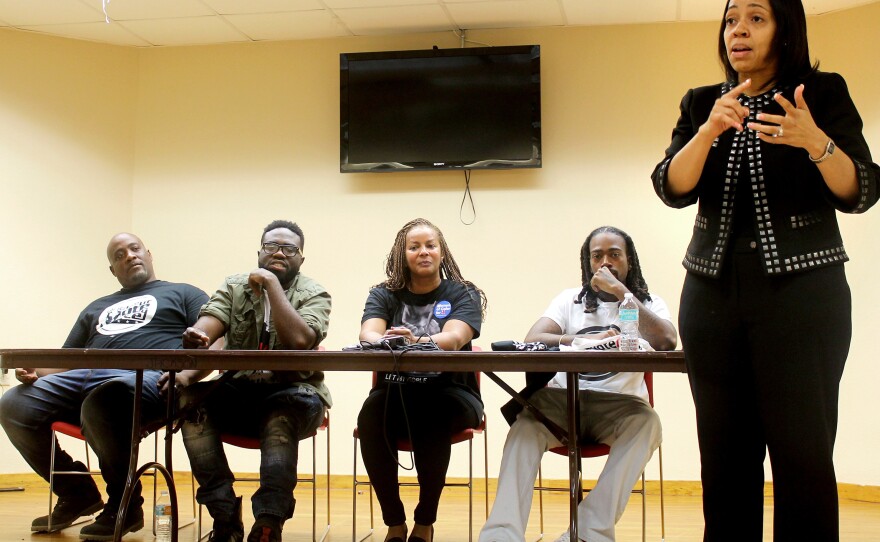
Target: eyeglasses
(272, 248)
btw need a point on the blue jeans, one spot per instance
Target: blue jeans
(280, 415)
(100, 400)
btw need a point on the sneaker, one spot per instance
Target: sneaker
(267, 528)
(66, 511)
(105, 524)
(564, 537)
(231, 530)
(227, 531)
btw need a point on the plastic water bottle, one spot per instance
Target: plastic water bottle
(629, 324)
(163, 518)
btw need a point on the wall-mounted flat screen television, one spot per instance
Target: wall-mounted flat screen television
(468, 108)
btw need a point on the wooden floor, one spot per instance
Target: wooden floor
(859, 521)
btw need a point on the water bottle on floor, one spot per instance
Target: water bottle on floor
(163, 518)
(628, 313)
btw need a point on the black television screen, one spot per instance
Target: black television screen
(469, 108)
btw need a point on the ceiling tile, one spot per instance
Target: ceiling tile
(506, 13)
(101, 32)
(593, 12)
(185, 31)
(395, 20)
(45, 12)
(298, 25)
(183, 22)
(225, 7)
(127, 10)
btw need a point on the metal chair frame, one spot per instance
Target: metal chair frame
(75, 431)
(406, 446)
(253, 443)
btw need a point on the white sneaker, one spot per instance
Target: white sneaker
(564, 537)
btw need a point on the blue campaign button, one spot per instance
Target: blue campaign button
(442, 309)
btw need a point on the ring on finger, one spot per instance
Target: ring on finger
(779, 133)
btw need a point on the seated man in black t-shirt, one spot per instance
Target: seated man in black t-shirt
(145, 313)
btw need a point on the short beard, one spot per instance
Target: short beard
(139, 278)
(284, 277)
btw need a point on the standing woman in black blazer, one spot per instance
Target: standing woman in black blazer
(769, 156)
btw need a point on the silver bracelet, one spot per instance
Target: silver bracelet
(829, 150)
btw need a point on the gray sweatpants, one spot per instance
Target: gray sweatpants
(624, 422)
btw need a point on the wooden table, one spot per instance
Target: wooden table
(486, 362)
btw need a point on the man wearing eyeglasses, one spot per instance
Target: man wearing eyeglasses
(274, 307)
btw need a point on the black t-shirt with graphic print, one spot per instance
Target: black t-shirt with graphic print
(152, 316)
(426, 314)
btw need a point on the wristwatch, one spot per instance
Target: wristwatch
(829, 150)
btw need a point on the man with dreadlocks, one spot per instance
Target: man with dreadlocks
(614, 407)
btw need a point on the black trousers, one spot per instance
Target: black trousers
(765, 356)
(430, 416)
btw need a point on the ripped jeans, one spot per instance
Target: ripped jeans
(279, 414)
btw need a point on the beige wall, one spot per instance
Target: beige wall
(205, 145)
(67, 123)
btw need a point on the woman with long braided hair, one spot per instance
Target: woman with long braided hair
(424, 301)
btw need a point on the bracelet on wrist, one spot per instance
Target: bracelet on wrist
(829, 150)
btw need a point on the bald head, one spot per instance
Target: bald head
(130, 261)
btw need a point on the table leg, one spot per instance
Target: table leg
(574, 474)
(133, 455)
(135, 473)
(168, 470)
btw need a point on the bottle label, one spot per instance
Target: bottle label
(629, 315)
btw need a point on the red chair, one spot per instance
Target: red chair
(75, 431)
(253, 443)
(589, 450)
(406, 446)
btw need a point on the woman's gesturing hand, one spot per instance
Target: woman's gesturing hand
(727, 112)
(795, 128)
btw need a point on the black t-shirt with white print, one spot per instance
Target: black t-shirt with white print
(426, 314)
(151, 316)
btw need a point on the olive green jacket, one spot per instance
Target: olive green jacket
(235, 304)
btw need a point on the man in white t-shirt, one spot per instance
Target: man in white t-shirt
(614, 407)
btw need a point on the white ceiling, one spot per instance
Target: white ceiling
(146, 23)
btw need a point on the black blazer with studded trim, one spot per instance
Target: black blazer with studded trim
(793, 210)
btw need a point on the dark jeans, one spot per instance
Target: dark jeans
(432, 415)
(280, 415)
(101, 402)
(765, 356)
